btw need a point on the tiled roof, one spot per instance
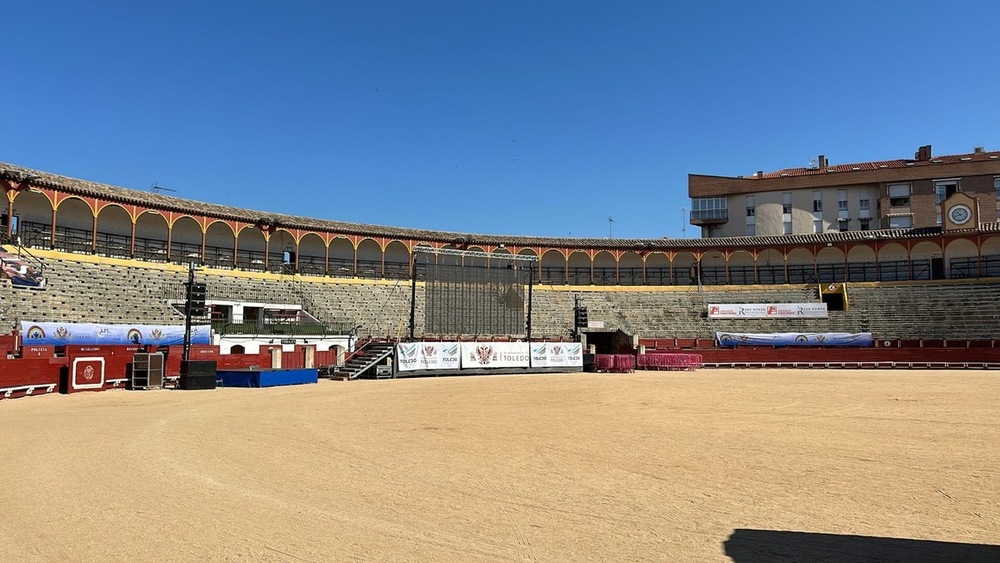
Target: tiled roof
(165, 202)
(878, 165)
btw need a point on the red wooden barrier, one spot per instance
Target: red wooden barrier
(34, 376)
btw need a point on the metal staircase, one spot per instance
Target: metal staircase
(365, 359)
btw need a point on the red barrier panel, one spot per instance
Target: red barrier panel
(244, 361)
(853, 357)
(604, 362)
(615, 363)
(292, 360)
(669, 361)
(24, 377)
(326, 357)
(84, 373)
(203, 352)
(624, 363)
(38, 351)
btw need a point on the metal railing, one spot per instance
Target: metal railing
(68, 239)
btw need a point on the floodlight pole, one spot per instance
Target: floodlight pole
(531, 281)
(187, 313)
(413, 298)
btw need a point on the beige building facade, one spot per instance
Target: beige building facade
(823, 198)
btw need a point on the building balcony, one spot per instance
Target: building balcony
(710, 217)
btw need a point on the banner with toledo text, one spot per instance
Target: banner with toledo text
(413, 356)
(556, 354)
(61, 334)
(495, 355)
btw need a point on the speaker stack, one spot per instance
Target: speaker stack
(197, 374)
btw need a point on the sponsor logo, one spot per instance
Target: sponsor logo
(157, 334)
(133, 335)
(88, 372)
(62, 333)
(408, 354)
(35, 332)
(484, 355)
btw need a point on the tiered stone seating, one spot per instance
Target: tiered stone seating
(88, 290)
(91, 292)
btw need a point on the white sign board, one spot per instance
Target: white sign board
(556, 354)
(413, 356)
(495, 355)
(768, 311)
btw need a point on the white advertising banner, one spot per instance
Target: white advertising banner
(413, 356)
(768, 311)
(556, 354)
(495, 355)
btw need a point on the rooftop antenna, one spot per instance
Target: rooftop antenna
(611, 221)
(157, 188)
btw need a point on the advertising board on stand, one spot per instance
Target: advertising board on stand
(414, 356)
(767, 311)
(556, 354)
(495, 355)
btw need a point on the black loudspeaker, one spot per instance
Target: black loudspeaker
(589, 363)
(198, 367)
(197, 375)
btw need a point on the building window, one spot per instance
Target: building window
(866, 224)
(899, 195)
(786, 204)
(708, 208)
(864, 204)
(751, 208)
(751, 230)
(817, 201)
(818, 226)
(788, 227)
(944, 189)
(841, 200)
(996, 189)
(901, 222)
(843, 224)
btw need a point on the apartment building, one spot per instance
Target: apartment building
(826, 197)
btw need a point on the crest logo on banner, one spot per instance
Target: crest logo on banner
(484, 355)
(36, 332)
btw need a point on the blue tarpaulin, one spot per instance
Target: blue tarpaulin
(733, 339)
(85, 334)
(267, 378)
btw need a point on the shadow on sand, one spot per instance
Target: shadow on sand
(759, 546)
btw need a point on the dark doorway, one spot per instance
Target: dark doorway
(937, 269)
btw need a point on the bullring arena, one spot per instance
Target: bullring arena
(866, 432)
(712, 465)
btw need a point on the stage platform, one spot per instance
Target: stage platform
(267, 377)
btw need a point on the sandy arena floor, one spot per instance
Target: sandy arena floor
(703, 466)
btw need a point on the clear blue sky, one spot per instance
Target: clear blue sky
(509, 117)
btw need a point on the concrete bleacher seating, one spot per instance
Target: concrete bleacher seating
(93, 289)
